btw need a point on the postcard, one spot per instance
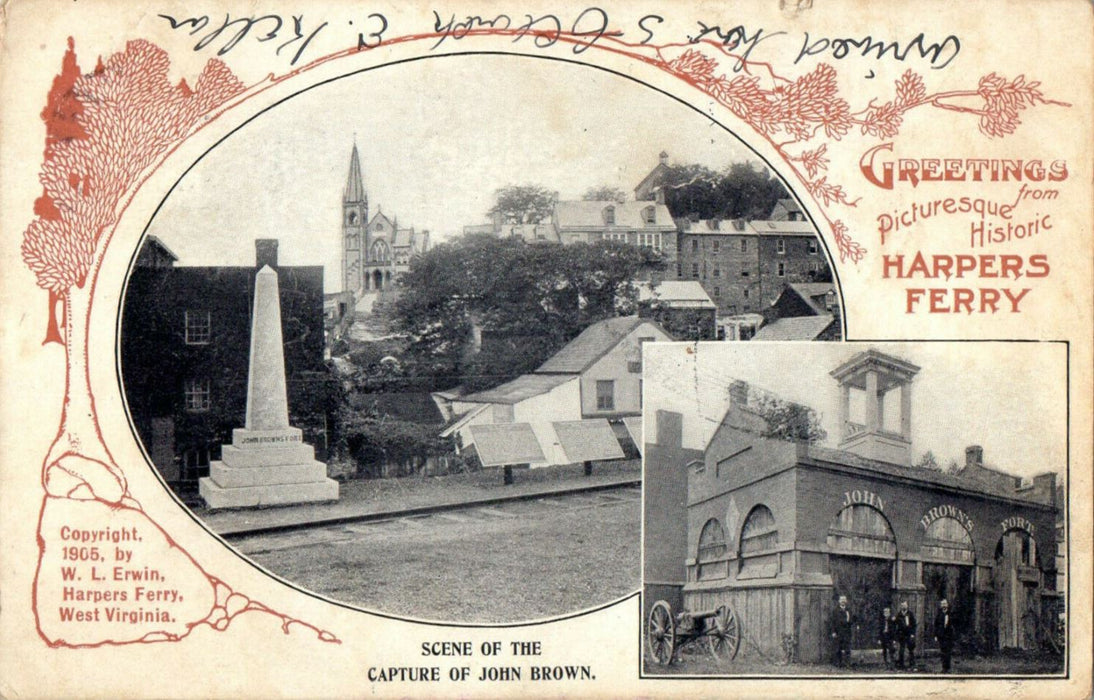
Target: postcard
(484, 350)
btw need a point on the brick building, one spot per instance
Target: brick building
(777, 529)
(185, 348)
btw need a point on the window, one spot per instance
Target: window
(759, 532)
(650, 240)
(196, 395)
(861, 529)
(351, 218)
(620, 236)
(605, 395)
(732, 309)
(379, 226)
(717, 271)
(782, 270)
(745, 292)
(946, 538)
(609, 215)
(744, 271)
(717, 292)
(744, 245)
(780, 246)
(198, 327)
(649, 215)
(379, 252)
(695, 269)
(634, 367)
(812, 246)
(716, 246)
(695, 245)
(351, 242)
(759, 537)
(712, 551)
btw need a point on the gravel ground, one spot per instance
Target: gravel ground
(362, 496)
(506, 563)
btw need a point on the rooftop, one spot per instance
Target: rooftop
(686, 292)
(519, 389)
(628, 215)
(590, 345)
(795, 328)
(769, 227)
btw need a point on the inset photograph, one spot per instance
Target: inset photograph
(856, 508)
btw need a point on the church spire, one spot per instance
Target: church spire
(355, 186)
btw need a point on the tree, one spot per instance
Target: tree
(789, 421)
(928, 461)
(604, 193)
(737, 192)
(525, 301)
(523, 204)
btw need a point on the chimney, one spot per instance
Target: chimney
(621, 197)
(265, 253)
(974, 456)
(663, 158)
(670, 429)
(738, 393)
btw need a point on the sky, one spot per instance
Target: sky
(1009, 398)
(437, 138)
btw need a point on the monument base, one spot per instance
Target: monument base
(266, 468)
(267, 494)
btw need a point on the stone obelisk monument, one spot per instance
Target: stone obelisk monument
(268, 463)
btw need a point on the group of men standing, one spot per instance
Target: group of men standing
(897, 631)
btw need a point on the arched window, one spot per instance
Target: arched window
(379, 251)
(759, 532)
(711, 559)
(758, 539)
(861, 529)
(946, 538)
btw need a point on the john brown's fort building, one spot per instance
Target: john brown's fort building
(777, 530)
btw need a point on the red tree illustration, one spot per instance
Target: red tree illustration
(104, 131)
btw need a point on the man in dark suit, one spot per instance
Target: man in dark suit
(944, 633)
(840, 625)
(886, 635)
(905, 634)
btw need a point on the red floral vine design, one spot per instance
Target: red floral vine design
(804, 110)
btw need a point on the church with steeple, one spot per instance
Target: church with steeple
(376, 251)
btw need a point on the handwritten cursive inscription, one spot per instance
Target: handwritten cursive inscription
(233, 31)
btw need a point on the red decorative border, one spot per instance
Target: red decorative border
(108, 130)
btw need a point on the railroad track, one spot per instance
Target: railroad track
(331, 531)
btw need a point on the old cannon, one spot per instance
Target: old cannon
(667, 633)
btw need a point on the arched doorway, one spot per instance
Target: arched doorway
(1017, 581)
(377, 280)
(949, 559)
(862, 549)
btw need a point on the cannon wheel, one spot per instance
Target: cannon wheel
(724, 634)
(661, 633)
